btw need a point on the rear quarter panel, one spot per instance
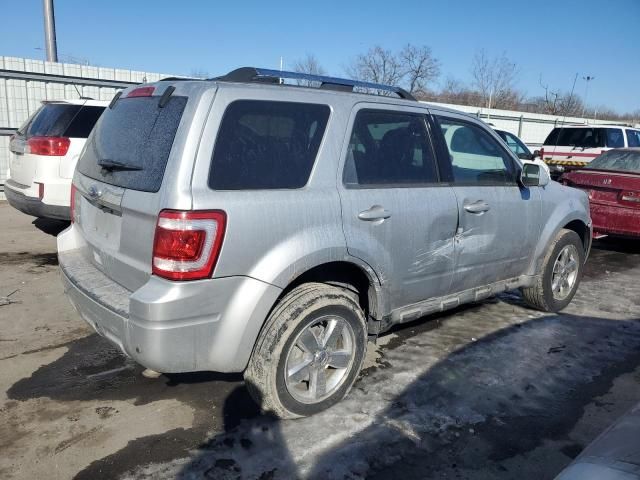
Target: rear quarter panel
(275, 235)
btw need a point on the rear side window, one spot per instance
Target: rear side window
(267, 145)
(130, 145)
(614, 138)
(576, 137)
(476, 157)
(51, 120)
(389, 148)
(83, 122)
(633, 138)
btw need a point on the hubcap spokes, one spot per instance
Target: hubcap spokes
(565, 272)
(320, 359)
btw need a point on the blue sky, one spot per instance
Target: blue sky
(554, 38)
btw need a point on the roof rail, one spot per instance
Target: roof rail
(251, 74)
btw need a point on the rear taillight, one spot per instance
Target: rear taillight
(48, 146)
(72, 204)
(542, 154)
(187, 243)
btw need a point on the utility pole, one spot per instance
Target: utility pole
(50, 31)
(587, 79)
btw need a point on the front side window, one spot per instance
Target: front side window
(267, 145)
(614, 138)
(389, 148)
(476, 157)
(633, 138)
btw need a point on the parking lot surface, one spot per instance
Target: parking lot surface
(489, 391)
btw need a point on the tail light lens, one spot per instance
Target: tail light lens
(187, 243)
(542, 154)
(48, 146)
(72, 204)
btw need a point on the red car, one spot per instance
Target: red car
(612, 181)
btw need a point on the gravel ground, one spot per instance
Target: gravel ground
(488, 391)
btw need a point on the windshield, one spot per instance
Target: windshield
(619, 160)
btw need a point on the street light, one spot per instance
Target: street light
(587, 79)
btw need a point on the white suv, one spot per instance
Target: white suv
(44, 153)
(574, 146)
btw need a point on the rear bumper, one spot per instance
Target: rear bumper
(168, 326)
(617, 221)
(32, 205)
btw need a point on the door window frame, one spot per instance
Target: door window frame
(421, 113)
(444, 159)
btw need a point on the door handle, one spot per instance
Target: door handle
(477, 207)
(376, 212)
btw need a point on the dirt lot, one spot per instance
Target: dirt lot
(489, 391)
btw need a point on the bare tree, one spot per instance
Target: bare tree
(494, 79)
(419, 67)
(378, 66)
(309, 64)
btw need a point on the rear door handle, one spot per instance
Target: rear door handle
(477, 207)
(376, 212)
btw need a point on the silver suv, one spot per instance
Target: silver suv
(243, 224)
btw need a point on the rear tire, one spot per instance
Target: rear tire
(561, 274)
(309, 352)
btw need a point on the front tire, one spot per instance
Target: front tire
(561, 274)
(309, 352)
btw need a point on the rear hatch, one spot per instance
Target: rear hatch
(50, 120)
(120, 176)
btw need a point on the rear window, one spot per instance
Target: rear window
(51, 120)
(619, 160)
(576, 137)
(267, 145)
(130, 145)
(61, 120)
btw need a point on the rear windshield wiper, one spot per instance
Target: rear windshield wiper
(112, 165)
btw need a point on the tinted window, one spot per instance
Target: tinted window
(83, 122)
(614, 138)
(50, 121)
(576, 137)
(389, 148)
(476, 157)
(633, 138)
(514, 143)
(267, 145)
(130, 145)
(619, 160)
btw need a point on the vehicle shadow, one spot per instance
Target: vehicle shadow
(50, 226)
(438, 410)
(620, 245)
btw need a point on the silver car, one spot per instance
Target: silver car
(244, 224)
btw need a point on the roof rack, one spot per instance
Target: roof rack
(251, 74)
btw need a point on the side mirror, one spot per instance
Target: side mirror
(530, 175)
(536, 154)
(525, 156)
